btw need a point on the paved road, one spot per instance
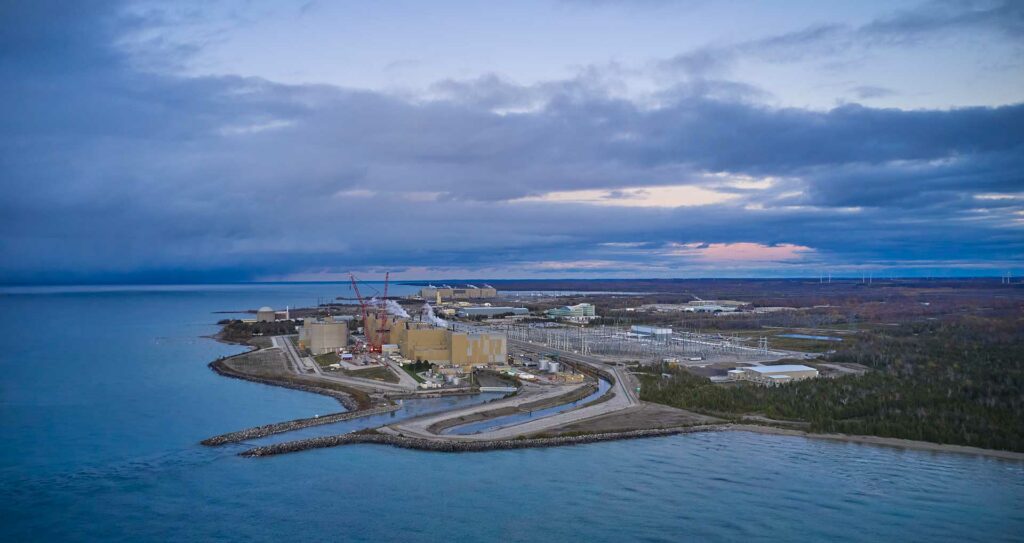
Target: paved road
(530, 393)
(404, 378)
(623, 397)
(308, 366)
(623, 377)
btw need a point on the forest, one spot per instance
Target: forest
(957, 380)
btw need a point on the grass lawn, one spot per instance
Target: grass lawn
(408, 369)
(326, 359)
(380, 373)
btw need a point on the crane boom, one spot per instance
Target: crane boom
(383, 328)
(362, 304)
(379, 312)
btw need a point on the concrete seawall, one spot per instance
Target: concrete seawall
(442, 445)
(297, 424)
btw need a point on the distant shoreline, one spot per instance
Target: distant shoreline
(883, 442)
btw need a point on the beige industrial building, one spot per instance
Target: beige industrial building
(266, 314)
(773, 375)
(467, 292)
(424, 341)
(322, 336)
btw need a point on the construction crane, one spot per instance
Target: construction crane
(362, 305)
(376, 339)
(383, 323)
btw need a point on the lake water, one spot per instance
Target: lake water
(105, 395)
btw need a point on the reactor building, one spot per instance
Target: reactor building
(266, 314)
(420, 340)
(464, 292)
(323, 335)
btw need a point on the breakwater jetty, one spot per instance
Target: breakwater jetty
(450, 445)
(297, 424)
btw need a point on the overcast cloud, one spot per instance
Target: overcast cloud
(117, 165)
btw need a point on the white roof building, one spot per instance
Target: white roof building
(773, 375)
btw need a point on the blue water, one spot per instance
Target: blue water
(805, 336)
(105, 395)
(508, 420)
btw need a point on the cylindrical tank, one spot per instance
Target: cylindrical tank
(544, 364)
(553, 367)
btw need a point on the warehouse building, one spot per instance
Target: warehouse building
(323, 335)
(489, 311)
(773, 375)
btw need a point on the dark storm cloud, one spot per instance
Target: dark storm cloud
(111, 173)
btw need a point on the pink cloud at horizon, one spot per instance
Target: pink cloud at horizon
(741, 251)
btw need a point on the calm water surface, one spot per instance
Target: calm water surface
(105, 395)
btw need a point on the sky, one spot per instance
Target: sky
(165, 142)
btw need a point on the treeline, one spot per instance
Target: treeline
(239, 331)
(956, 382)
(419, 366)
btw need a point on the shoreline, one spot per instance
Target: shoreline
(550, 441)
(375, 437)
(346, 400)
(879, 441)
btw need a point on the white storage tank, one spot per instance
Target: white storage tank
(553, 367)
(544, 364)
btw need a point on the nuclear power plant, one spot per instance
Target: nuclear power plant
(464, 292)
(428, 340)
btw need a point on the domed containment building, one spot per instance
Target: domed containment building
(266, 314)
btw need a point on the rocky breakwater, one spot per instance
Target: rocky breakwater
(297, 424)
(449, 445)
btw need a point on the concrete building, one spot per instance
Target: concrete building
(709, 308)
(322, 336)
(650, 330)
(576, 313)
(773, 375)
(492, 311)
(464, 292)
(266, 314)
(469, 350)
(423, 341)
